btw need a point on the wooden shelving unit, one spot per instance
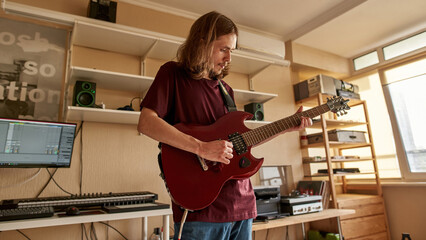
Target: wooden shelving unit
(345, 200)
(145, 44)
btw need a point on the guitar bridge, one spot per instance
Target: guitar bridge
(237, 140)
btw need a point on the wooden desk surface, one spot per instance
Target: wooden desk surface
(57, 221)
(303, 218)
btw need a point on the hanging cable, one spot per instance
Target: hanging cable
(106, 224)
(19, 231)
(81, 157)
(182, 222)
(22, 183)
(51, 176)
(56, 169)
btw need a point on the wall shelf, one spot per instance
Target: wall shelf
(74, 113)
(126, 40)
(111, 80)
(147, 44)
(86, 114)
(244, 96)
(129, 82)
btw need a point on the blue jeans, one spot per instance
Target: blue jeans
(240, 230)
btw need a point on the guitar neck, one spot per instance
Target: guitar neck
(260, 134)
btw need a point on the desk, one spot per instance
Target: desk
(57, 221)
(304, 218)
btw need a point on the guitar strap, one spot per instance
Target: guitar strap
(229, 103)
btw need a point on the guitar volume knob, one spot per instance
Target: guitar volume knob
(244, 162)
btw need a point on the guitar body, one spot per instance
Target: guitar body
(193, 187)
(189, 185)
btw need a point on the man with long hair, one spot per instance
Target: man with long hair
(187, 91)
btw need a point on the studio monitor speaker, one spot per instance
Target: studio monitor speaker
(103, 10)
(256, 109)
(84, 94)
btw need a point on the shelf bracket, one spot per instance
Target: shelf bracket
(145, 56)
(252, 75)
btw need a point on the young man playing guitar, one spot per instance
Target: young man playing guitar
(188, 92)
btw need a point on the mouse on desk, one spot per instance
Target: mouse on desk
(72, 211)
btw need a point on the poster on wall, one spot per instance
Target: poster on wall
(32, 64)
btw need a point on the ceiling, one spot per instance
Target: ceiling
(343, 27)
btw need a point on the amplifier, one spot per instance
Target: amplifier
(322, 84)
(325, 85)
(339, 136)
(313, 86)
(302, 208)
(301, 204)
(267, 200)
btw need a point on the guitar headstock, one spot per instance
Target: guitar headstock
(338, 105)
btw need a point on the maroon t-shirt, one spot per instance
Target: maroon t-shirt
(176, 98)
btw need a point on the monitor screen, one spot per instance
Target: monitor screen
(35, 144)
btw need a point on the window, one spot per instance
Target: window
(366, 60)
(405, 46)
(370, 89)
(389, 53)
(405, 96)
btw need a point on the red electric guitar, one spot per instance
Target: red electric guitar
(194, 183)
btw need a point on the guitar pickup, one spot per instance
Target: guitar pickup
(237, 140)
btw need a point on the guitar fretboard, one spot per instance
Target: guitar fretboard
(260, 134)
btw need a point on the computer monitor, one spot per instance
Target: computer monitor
(35, 144)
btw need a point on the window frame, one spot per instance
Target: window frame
(406, 174)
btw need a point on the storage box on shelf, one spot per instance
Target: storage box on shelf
(334, 157)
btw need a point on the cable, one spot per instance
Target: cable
(56, 169)
(65, 191)
(81, 157)
(23, 234)
(47, 183)
(287, 237)
(182, 222)
(22, 183)
(106, 224)
(83, 230)
(131, 101)
(93, 231)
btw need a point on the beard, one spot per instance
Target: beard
(220, 75)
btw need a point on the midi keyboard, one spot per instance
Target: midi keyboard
(107, 202)
(25, 213)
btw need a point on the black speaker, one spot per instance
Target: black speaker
(256, 109)
(84, 94)
(102, 9)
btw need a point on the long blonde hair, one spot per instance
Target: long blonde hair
(195, 53)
